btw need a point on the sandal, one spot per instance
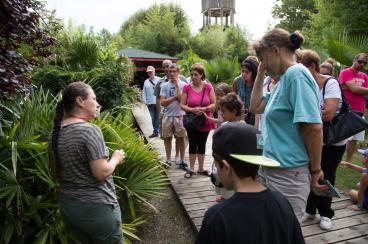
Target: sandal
(183, 166)
(188, 174)
(204, 172)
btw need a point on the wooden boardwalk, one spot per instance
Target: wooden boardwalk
(197, 195)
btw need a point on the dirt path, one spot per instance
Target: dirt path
(169, 225)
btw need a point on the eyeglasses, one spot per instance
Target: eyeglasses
(194, 74)
(362, 62)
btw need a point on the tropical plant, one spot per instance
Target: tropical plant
(187, 59)
(28, 188)
(222, 70)
(343, 48)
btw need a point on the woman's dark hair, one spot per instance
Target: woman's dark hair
(67, 103)
(199, 68)
(232, 103)
(280, 38)
(241, 169)
(252, 66)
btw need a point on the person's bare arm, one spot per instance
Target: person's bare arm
(166, 101)
(235, 88)
(329, 109)
(352, 166)
(312, 134)
(257, 104)
(356, 89)
(101, 168)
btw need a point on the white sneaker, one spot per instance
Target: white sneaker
(325, 223)
(308, 216)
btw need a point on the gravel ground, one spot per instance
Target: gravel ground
(169, 225)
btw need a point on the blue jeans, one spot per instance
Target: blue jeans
(154, 116)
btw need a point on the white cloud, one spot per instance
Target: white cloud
(255, 16)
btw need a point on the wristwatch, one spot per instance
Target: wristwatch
(312, 172)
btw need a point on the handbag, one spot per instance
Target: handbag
(192, 120)
(344, 125)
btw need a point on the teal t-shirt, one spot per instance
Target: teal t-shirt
(294, 100)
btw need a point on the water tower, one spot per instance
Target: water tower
(218, 9)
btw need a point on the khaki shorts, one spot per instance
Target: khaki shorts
(173, 125)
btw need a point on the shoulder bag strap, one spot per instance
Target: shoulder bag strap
(204, 90)
(153, 84)
(344, 104)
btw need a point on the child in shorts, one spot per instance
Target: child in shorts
(360, 196)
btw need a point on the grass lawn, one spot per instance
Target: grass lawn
(347, 179)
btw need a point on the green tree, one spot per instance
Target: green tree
(230, 42)
(293, 14)
(161, 28)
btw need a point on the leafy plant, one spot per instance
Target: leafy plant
(222, 70)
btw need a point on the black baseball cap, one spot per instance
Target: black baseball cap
(239, 140)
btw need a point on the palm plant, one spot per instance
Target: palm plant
(343, 47)
(222, 70)
(28, 188)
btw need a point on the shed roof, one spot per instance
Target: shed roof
(134, 53)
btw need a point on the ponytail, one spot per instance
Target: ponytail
(55, 137)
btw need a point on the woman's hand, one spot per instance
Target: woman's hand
(196, 110)
(118, 155)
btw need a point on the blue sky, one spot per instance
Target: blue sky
(254, 15)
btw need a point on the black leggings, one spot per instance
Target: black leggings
(331, 157)
(197, 141)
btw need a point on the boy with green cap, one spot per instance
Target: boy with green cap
(254, 214)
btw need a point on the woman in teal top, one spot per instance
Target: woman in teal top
(292, 127)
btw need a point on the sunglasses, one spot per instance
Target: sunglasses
(362, 62)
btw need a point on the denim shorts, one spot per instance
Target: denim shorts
(91, 222)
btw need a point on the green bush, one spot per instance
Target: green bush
(28, 189)
(110, 82)
(222, 70)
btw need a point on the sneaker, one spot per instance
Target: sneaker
(153, 135)
(325, 223)
(308, 216)
(166, 164)
(183, 165)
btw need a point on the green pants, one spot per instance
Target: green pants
(92, 222)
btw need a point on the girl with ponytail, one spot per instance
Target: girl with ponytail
(87, 197)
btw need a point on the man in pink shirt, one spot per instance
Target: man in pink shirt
(355, 87)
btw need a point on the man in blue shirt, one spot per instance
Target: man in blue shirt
(149, 99)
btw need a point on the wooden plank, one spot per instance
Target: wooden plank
(199, 200)
(337, 224)
(198, 206)
(360, 240)
(197, 213)
(196, 189)
(339, 235)
(197, 194)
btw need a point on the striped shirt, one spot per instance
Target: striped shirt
(79, 144)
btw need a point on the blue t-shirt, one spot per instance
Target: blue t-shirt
(295, 99)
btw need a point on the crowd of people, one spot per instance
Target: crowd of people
(268, 147)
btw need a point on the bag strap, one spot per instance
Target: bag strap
(152, 82)
(204, 90)
(344, 104)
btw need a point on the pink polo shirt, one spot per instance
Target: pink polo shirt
(356, 101)
(194, 100)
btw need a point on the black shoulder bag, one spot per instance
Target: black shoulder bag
(344, 125)
(193, 121)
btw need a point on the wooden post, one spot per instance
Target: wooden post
(222, 15)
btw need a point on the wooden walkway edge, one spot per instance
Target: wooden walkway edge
(197, 194)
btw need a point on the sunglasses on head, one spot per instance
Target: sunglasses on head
(362, 62)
